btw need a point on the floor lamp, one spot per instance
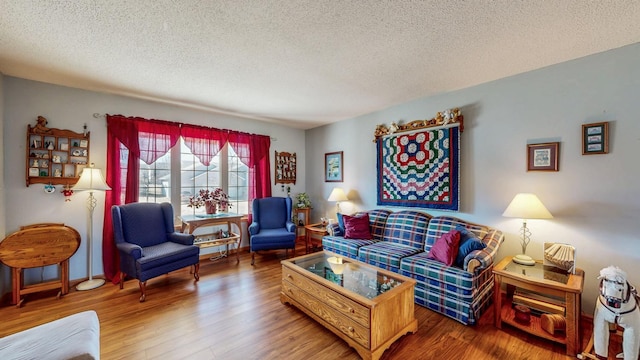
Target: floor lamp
(91, 180)
(526, 206)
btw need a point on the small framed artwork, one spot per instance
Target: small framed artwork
(333, 167)
(595, 138)
(543, 157)
(84, 143)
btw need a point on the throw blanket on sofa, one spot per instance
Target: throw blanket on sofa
(420, 169)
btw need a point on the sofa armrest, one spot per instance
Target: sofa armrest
(180, 238)
(133, 250)
(479, 260)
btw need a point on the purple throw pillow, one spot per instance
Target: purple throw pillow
(445, 249)
(357, 227)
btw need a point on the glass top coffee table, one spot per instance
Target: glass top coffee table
(367, 307)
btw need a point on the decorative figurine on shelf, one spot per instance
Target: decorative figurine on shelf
(57, 173)
(36, 163)
(41, 126)
(617, 304)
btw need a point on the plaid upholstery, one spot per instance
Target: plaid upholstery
(336, 243)
(377, 222)
(386, 255)
(401, 243)
(466, 313)
(449, 280)
(334, 230)
(344, 247)
(407, 228)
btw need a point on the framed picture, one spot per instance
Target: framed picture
(333, 167)
(543, 157)
(595, 138)
(84, 143)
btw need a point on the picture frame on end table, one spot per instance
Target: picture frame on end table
(543, 157)
(333, 168)
(595, 138)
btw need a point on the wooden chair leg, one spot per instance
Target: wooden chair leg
(143, 288)
(253, 258)
(196, 268)
(121, 280)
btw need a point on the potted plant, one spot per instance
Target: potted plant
(303, 201)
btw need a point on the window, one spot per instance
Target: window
(188, 175)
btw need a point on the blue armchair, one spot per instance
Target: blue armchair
(271, 227)
(148, 244)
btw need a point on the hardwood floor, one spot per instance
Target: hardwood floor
(234, 312)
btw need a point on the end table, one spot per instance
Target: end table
(317, 229)
(543, 280)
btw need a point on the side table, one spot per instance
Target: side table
(35, 246)
(191, 222)
(542, 280)
(312, 230)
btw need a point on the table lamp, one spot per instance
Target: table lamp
(337, 195)
(526, 206)
(92, 180)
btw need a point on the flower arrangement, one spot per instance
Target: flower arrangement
(216, 197)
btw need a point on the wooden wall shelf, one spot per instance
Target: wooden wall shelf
(55, 156)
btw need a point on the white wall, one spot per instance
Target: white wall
(4, 273)
(594, 199)
(68, 108)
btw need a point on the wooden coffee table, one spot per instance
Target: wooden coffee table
(367, 307)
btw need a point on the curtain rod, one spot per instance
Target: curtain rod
(104, 116)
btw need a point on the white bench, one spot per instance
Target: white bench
(73, 337)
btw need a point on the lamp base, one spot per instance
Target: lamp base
(90, 284)
(523, 259)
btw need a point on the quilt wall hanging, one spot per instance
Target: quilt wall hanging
(419, 163)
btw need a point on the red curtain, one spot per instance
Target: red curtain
(131, 139)
(204, 142)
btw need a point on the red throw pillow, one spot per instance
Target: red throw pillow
(445, 249)
(357, 227)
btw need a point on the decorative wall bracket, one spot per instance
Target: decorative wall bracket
(443, 118)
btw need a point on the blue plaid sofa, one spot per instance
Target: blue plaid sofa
(401, 242)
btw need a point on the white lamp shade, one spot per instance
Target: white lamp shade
(91, 179)
(527, 206)
(337, 194)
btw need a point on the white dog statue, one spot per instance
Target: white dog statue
(617, 304)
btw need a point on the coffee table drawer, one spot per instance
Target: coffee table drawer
(330, 315)
(339, 302)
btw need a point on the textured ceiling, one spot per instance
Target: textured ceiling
(302, 63)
